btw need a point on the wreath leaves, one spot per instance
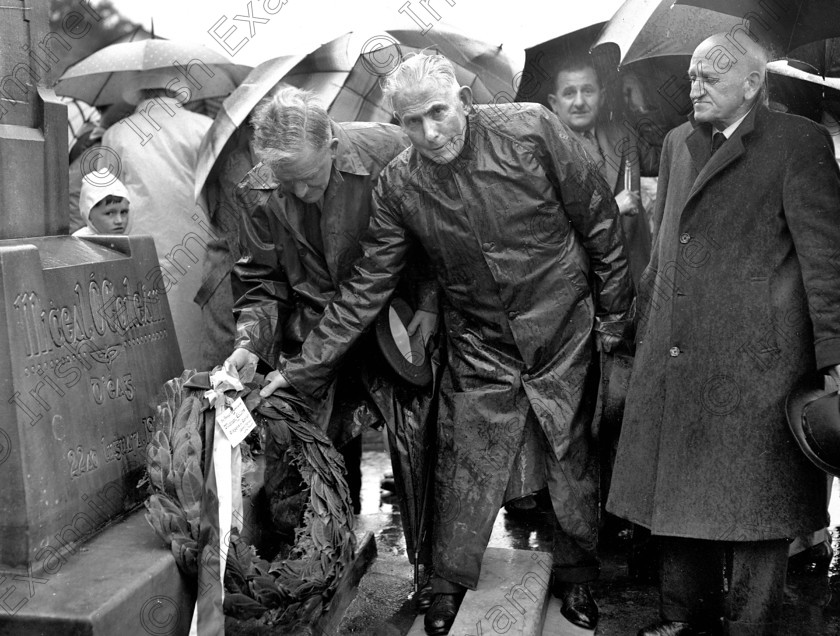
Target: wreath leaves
(287, 591)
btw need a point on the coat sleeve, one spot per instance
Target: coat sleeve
(261, 290)
(592, 211)
(359, 301)
(649, 157)
(811, 199)
(648, 279)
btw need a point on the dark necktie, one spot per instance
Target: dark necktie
(594, 147)
(718, 139)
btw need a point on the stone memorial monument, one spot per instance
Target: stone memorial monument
(86, 343)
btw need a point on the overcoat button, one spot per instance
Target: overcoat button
(488, 246)
(674, 351)
(685, 237)
(513, 314)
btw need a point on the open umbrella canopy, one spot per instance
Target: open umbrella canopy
(346, 72)
(541, 61)
(644, 29)
(786, 24)
(235, 109)
(105, 76)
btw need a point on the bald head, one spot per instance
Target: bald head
(727, 76)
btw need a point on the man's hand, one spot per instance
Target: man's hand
(242, 360)
(426, 322)
(629, 203)
(275, 381)
(606, 342)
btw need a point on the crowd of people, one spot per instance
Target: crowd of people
(520, 236)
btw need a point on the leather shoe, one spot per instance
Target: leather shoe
(578, 607)
(668, 628)
(441, 613)
(423, 598)
(814, 560)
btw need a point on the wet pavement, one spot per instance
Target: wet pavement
(383, 607)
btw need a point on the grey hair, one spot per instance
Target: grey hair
(414, 69)
(288, 122)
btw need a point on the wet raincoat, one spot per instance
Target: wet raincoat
(295, 254)
(741, 298)
(524, 237)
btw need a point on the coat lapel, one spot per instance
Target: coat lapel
(699, 144)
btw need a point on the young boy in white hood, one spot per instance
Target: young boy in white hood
(103, 204)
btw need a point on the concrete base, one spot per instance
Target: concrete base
(555, 625)
(347, 588)
(122, 582)
(511, 596)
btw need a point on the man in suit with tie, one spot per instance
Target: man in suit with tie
(622, 156)
(741, 298)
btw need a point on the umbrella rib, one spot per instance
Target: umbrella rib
(795, 22)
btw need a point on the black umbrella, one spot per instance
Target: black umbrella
(411, 417)
(787, 24)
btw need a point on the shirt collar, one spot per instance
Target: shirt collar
(731, 128)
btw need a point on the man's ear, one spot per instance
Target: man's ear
(333, 146)
(466, 97)
(753, 82)
(552, 102)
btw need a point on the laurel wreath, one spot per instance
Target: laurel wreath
(291, 590)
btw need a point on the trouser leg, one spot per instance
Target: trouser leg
(474, 459)
(803, 542)
(441, 585)
(574, 498)
(691, 579)
(573, 485)
(756, 581)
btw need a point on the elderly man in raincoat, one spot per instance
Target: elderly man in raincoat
(525, 240)
(303, 208)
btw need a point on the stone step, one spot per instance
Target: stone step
(511, 596)
(123, 581)
(555, 625)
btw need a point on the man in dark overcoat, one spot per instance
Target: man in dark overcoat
(742, 297)
(516, 223)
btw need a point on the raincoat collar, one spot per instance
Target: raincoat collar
(347, 158)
